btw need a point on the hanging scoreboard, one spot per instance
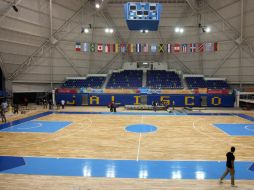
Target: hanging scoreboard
(142, 16)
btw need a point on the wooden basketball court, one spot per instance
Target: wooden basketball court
(103, 136)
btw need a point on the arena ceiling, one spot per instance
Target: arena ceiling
(37, 41)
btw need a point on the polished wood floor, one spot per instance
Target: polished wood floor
(104, 136)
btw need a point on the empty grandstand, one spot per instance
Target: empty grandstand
(126, 79)
(89, 82)
(161, 79)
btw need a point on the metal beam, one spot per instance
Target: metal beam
(108, 64)
(192, 6)
(60, 50)
(45, 44)
(9, 10)
(177, 58)
(223, 19)
(224, 60)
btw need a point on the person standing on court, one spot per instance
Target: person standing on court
(113, 104)
(230, 167)
(62, 103)
(154, 106)
(2, 112)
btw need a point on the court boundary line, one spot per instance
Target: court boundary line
(138, 151)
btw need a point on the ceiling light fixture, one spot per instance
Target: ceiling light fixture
(86, 30)
(179, 30)
(97, 6)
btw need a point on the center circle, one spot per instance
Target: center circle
(141, 128)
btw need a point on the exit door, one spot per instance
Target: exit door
(203, 101)
(84, 100)
(143, 99)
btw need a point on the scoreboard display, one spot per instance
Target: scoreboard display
(142, 16)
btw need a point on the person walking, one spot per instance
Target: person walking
(2, 113)
(154, 106)
(230, 167)
(62, 103)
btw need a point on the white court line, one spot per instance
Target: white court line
(139, 141)
(36, 126)
(80, 125)
(247, 127)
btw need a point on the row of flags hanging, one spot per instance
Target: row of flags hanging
(145, 48)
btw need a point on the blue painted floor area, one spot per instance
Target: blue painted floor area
(247, 117)
(16, 122)
(141, 128)
(237, 129)
(252, 167)
(7, 162)
(37, 126)
(123, 168)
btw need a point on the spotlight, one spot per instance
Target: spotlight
(111, 30)
(146, 31)
(86, 30)
(106, 30)
(15, 8)
(141, 31)
(97, 6)
(207, 29)
(177, 29)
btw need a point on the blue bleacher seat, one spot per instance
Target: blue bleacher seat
(195, 82)
(199, 82)
(92, 82)
(129, 79)
(161, 79)
(217, 84)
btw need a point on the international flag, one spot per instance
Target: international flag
(130, 48)
(78, 46)
(215, 46)
(138, 48)
(115, 48)
(123, 48)
(169, 48)
(208, 47)
(85, 47)
(107, 48)
(192, 47)
(176, 48)
(145, 48)
(200, 47)
(153, 48)
(100, 48)
(184, 48)
(92, 47)
(161, 48)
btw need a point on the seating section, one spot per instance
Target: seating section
(217, 84)
(161, 79)
(195, 82)
(92, 82)
(155, 79)
(126, 79)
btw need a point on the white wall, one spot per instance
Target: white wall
(23, 32)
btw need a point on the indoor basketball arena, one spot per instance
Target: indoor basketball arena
(127, 95)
